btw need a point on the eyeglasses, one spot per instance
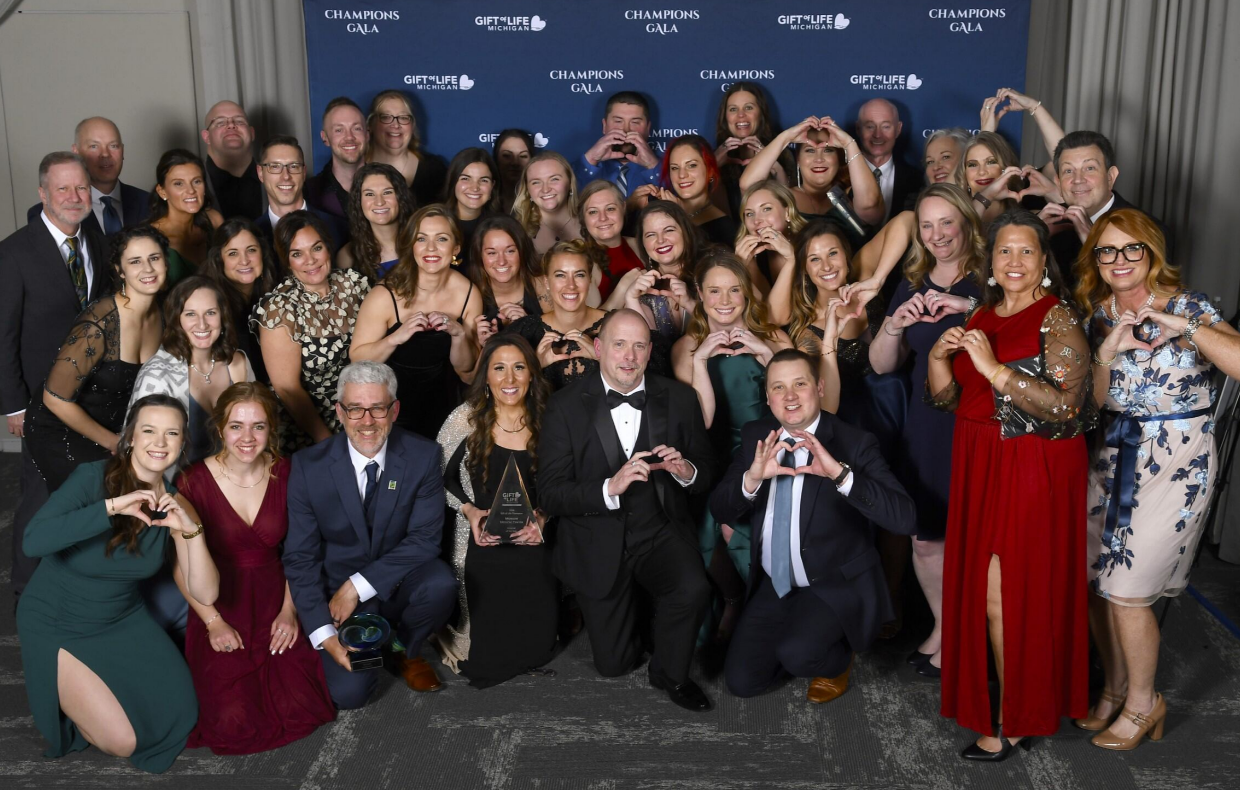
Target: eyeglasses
(1109, 255)
(357, 412)
(238, 120)
(276, 168)
(403, 120)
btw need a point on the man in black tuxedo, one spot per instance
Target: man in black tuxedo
(878, 128)
(282, 169)
(618, 456)
(114, 206)
(366, 512)
(1086, 172)
(816, 592)
(49, 270)
(232, 177)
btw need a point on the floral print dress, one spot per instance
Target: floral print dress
(1150, 483)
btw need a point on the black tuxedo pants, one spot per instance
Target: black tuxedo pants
(671, 572)
(797, 634)
(421, 604)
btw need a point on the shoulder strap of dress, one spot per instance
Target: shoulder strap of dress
(395, 306)
(468, 294)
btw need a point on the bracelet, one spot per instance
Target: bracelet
(1034, 111)
(848, 161)
(1100, 362)
(192, 534)
(212, 620)
(107, 504)
(826, 352)
(995, 374)
(973, 303)
(1190, 330)
(897, 333)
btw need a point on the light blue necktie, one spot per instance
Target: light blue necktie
(622, 180)
(781, 528)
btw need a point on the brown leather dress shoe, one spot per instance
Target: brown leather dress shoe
(826, 689)
(419, 675)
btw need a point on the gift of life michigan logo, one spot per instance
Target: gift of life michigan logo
(966, 20)
(886, 82)
(586, 80)
(813, 21)
(662, 21)
(439, 82)
(511, 24)
(362, 22)
(540, 139)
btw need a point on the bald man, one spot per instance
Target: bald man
(114, 205)
(878, 130)
(232, 174)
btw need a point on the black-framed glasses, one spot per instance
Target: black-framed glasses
(376, 412)
(403, 120)
(1109, 255)
(276, 168)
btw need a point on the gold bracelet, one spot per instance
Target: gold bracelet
(1103, 364)
(991, 378)
(192, 534)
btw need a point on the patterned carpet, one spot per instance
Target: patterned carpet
(577, 731)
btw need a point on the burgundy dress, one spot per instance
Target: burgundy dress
(249, 700)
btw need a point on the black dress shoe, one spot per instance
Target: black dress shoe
(928, 670)
(975, 752)
(687, 695)
(917, 658)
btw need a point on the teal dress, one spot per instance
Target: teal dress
(179, 268)
(740, 397)
(89, 605)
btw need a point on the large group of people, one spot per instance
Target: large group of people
(740, 383)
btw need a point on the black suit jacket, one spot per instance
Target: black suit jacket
(837, 531)
(334, 227)
(578, 449)
(908, 184)
(328, 539)
(37, 306)
(1066, 245)
(135, 208)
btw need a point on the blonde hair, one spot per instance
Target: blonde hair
(523, 207)
(991, 141)
(919, 261)
(783, 195)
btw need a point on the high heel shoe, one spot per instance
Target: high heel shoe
(917, 658)
(975, 752)
(1093, 723)
(1150, 724)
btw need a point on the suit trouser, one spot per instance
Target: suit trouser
(798, 634)
(34, 495)
(422, 603)
(671, 571)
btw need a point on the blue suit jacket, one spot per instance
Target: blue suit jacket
(328, 539)
(135, 208)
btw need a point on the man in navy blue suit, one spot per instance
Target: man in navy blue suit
(366, 512)
(817, 489)
(114, 205)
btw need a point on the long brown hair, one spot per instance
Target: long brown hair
(213, 267)
(688, 232)
(402, 280)
(754, 315)
(804, 292)
(765, 129)
(1092, 290)
(918, 260)
(530, 267)
(248, 392)
(175, 341)
(119, 477)
(366, 248)
(481, 442)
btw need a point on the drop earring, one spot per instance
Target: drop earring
(1046, 278)
(123, 287)
(991, 281)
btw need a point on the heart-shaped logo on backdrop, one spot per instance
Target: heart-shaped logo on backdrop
(465, 82)
(537, 23)
(913, 82)
(841, 22)
(540, 141)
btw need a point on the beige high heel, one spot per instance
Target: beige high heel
(1092, 723)
(1147, 724)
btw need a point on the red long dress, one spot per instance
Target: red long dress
(1021, 499)
(249, 700)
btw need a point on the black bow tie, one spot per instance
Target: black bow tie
(635, 399)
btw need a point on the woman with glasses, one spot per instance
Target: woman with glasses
(1156, 346)
(394, 141)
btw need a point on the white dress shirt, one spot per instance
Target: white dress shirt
(275, 218)
(96, 205)
(1103, 210)
(364, 590)
(886, 181)
(801, 458)
(83, 249)
(628, 422)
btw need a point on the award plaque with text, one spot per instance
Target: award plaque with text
(511, 510)
(365, 635)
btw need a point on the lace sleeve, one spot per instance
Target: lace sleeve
(84, 348)
(1060, 394)
(946, 399)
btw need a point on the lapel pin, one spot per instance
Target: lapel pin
(391, 485)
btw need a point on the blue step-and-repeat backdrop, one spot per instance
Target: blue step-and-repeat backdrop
(474, 67)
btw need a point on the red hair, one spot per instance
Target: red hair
(698, 142)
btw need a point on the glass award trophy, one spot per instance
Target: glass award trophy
(511, 510)
(365, 635)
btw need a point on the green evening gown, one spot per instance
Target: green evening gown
(89, 605)
(740, 397)
(178, 268)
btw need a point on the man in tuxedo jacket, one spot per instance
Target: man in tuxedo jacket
(878, 128)
(366, 512)
(818, 489)
(49, 270)
(618, 455)
(114, 205)
(282, 170)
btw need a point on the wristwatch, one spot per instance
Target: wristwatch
(845, 471)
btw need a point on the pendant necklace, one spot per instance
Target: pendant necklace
(205, 376)
(224, 470)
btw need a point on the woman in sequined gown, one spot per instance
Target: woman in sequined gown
(508, 596)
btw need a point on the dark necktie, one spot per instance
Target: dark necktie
(77, 270)
(111, 220)
(635, 399)
(622, 180)
(878, 175)
(372, 483)
(781, 527)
